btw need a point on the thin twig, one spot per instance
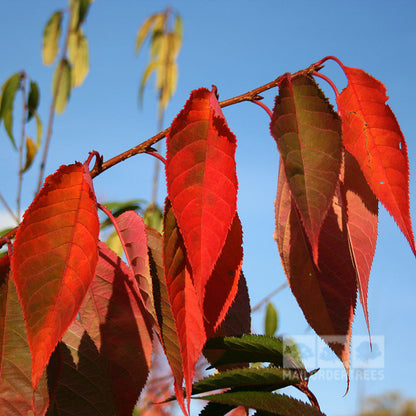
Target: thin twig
(143, 147)
(22, 141)
(9, 210)
(52, 107)
(268, 297)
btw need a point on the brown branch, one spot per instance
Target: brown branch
(145, 146)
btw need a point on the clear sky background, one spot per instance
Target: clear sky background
(237, 45)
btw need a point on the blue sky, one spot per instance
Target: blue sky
(237, 45)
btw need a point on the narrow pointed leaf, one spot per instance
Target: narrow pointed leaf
(308, 136)
(276, 404)
(61, 85)
(202, 182)
(39, 130)
(184, 302)
(31, 150)
(83, 386)
(167, 329)
(327, 293)
(120, 328)
(373, 136)
(134, 238)
(16, 393)
(362, 219)
(9, 89)
(144, 31)
(32, 100)
(222, 285)
(54, 258)
(51, 35)
(270, 320)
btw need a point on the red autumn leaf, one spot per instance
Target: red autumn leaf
(362, 218)
(308, 135)
(373, 136)
(16, 393)
(327, 293)
(54, 259)
(120, 328)
(222, 285)
(168, 336)
(202, 181)
(184, 303)
(134, 240)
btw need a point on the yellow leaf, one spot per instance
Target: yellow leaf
(31, 150)
(144, 31)
(51, 34)
(61, 85)
(78, 56)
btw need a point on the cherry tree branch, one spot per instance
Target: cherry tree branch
(146, 146)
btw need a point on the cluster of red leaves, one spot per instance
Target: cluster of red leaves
(334, 169)
(71, 308)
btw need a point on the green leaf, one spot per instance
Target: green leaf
(118, 207)
(216, 409)
(9, 89)
(79, 11)
(263, 379)
(8, 125)
(61, 85)
(32, 100)
(153, 217)
(270, 320)
(254, 348)
(39, 129)
(276, 404)
(51, 35)
(31, 150)
(78, 56)
(113, 242)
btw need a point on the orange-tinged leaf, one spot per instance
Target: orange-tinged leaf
(222, 285)
(373, 136)
(327, 293)
(120, 327)
(308, 136)
(362, 219)
(184, 303)
(202, 181)
(54, 259)
(134, 239)
(167, 329)
(16, 393)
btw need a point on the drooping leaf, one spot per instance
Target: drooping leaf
(39, 130)
(276, 404)
(8, 94)
(31, 150)
(51, 35)
(270, 320)
(54, 258)
(16, 393)
(373, 136)
(61, 85)
(263, 379)
(144, 31)
(168, 336)
(134, 239)
(184, 303)
(308, 135)
(362, 218)
(83, 384)
(201, 181)
(254, 348)
(120, 328)
(78, 56)
(79, 11)
(327, 293)
(222, 285)
(32, 100)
